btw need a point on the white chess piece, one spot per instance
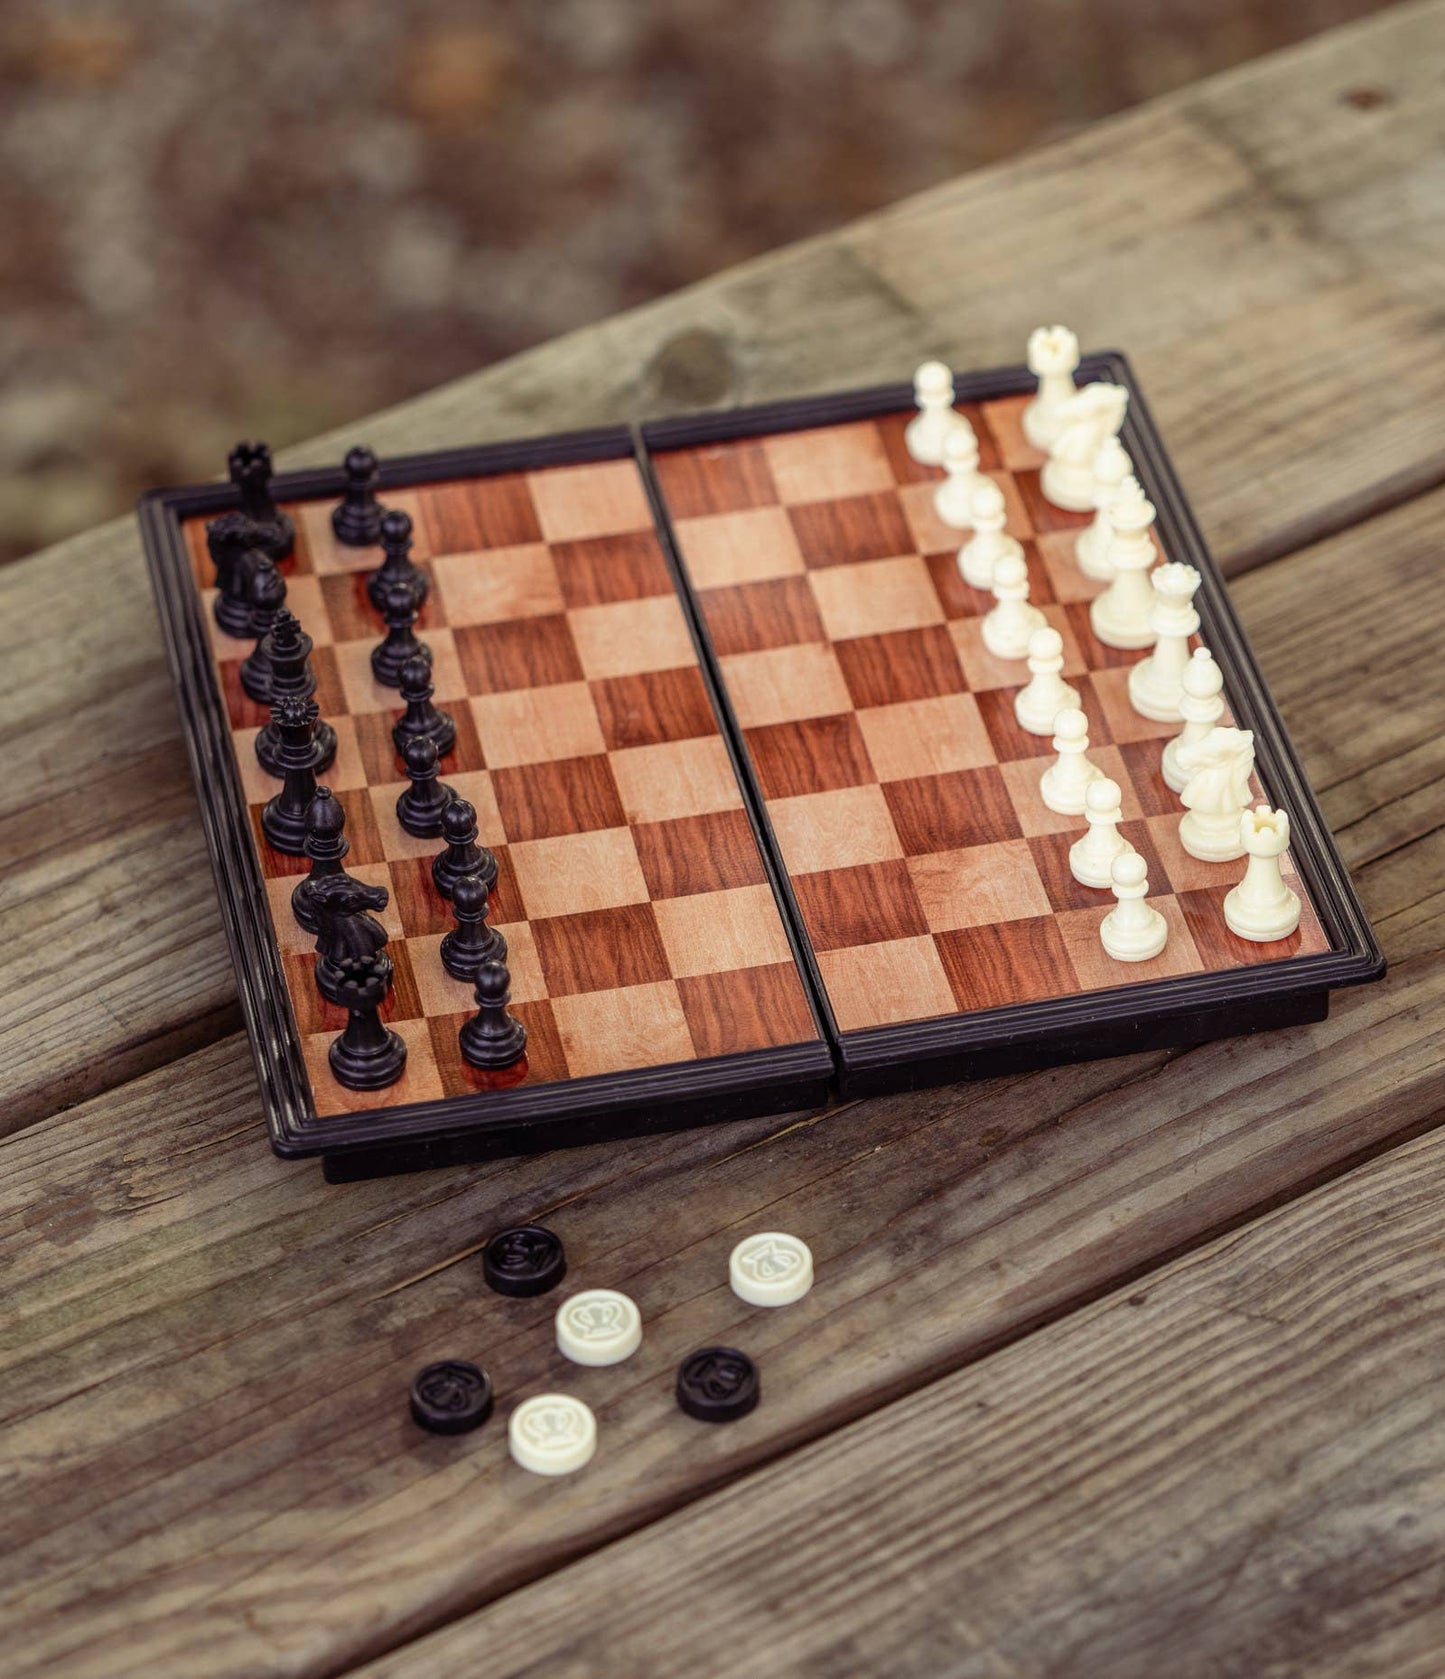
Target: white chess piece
(1121, 616)
(1091, 858)
(1215, 793)
(989, 542)
(1046, 694)
(953, 497)
(1201, 706)
(1262, 908)
(928, 430)
(1063, 784)
(1156, 683)
(1133, 930)
(1007, 628)
(1091, 547)
(1053, 354)
(1087, 418)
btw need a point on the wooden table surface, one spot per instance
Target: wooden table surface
(1125, 1369)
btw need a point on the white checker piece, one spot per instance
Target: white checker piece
(552, 1434)
(771, 1269)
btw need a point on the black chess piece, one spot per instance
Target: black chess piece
(368, 1054)
(283, 821)
(266, 591)
(471, 942)
(326, 845)
(420, 807)
(422, 717)
(249, 466)
(397, 565)
(345, 927)
(401, 644)
(463, 855)
(287, 650)
(493, 1037)
(356, 519)
(227, 539)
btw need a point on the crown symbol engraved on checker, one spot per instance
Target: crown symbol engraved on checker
(771, 1269)
(524, 1261)
(451, 1397)
(552, 1434)
(598, 1326)
(717, 1384)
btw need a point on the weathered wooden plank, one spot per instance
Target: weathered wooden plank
(207, 1458)
(1234, 1467)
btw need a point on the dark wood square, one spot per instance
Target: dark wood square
(698, 854)
(746, 1008)
(601, 569)
(1051, 858)
(866, 904)
(716, 478)
(600, 950)
(354, 618)
(566, 796)
(506, 900)
(948, 812)
(1005, 962)
(1217, 946)
(810, 756)
(421, 907)
(1042, 514)
(520, 653)
(1010, 739)
(1156, 797)
(543, 1062)
(901, 665)
(748, 617)
(315, 1014)
(870, 527)
(486, 513)
(652, 707)
(1095, 654)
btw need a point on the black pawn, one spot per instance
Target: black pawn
(368, 1054)
(396, 565)
(356, 520)
(283, 821)
(249, 467)
(463, 855)
(471, 942)
(422, 717)
(420, 807)
(401, 645)
(227, 539)
(493, 1037)
(325, 844)
(266, 591)
(287, 649)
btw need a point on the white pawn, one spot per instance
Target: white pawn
(1262, 908)
(1088, 417)
(1215, 793)
(1091, 547)
(1120, 617)
(1063, 784)
(1091, 858)
(1156, 683)
(1201, 706)
(1007, 628)
(1133, 930)
(928, 431)
(953, 497)
(1046, 694)
(1053, 354)
(989, 542)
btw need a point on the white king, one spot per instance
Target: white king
(1262, 907)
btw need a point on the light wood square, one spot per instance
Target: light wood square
(598, 499)
(978, 886)
(364, 693)
(421, 1079)
(985, 670)
(785, 684)
(1111, 684)
(676, 779)
(346, 771)
(875, 596)
(473, 785)
(881, 984)
(441, 994)
(625, 637)
(1186, 873)
(303, 597)
(1096, 970)
(749, 546)
(574, 872)
(636, 1026)
(834, 830)
(932, 536)
(829, 464)
(925, 737)
(537, 725)
(498, 583)
(330, 557)
(1021, 776)
(293, 938)
(716, 932)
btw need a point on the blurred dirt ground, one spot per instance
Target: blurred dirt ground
(261, 217)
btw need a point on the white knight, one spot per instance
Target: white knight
(1215, 793)
(1086, 419)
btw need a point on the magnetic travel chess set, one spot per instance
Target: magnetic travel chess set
(641, 778)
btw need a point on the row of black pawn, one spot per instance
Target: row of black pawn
(353, 970)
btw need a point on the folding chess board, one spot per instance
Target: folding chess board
(767, 829)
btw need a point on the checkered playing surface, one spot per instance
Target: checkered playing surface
(640, 927)
(903, 794)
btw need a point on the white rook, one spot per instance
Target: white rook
(1262, 908)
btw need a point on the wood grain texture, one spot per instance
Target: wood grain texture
(1270, 261)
